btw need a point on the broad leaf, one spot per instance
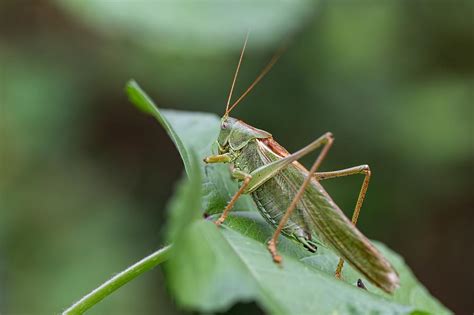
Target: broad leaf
(410, 293)
(213, 268)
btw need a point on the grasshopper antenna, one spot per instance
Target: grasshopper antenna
(236, 74)
(260, 76)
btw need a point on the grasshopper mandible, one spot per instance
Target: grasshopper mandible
(277, 182)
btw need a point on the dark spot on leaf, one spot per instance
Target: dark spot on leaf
(361, 284)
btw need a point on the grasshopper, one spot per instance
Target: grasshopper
(291, 198)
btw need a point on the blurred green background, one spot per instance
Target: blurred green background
(85, 177)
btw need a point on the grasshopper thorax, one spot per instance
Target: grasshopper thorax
(235, 134)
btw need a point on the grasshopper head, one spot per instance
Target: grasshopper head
(235, 134)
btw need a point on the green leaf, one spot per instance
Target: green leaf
(213, 268)
(184, 207)
(228, 266)
(410, 293)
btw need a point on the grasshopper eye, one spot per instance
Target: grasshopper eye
(225, 125)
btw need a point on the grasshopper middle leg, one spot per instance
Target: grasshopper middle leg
(361, 169)
(246, 180)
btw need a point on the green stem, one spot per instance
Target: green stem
(119, 280)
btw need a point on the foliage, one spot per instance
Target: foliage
(84, 177)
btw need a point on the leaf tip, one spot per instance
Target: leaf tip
(137, 96)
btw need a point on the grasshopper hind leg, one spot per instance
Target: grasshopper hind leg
(326, 141)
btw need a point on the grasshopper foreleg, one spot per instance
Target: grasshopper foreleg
(361, 169)
(220, 158)
(326, 140)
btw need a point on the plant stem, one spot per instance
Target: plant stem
(119, 280)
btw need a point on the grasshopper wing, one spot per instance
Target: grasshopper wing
(336, 230)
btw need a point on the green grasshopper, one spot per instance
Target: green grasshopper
(276, 181)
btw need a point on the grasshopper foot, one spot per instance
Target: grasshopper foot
(272, 249)
(219, 221)
(277, 259)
